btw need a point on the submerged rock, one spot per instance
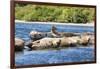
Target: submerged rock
(19, 44)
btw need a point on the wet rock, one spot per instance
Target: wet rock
(19, 44)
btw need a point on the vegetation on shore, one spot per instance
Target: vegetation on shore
(30, 12)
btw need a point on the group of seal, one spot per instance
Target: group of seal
(53, 39)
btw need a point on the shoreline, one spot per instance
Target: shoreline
(54, 23)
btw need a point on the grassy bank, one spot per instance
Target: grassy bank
(62, 14)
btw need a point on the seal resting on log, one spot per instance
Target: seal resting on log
(62, 34)
(84, 40)
(69, 41)
(42, 40)
(34, 35)
(19, 44)
(92, 39)
(46, 43)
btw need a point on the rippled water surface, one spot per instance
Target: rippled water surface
(74, 54)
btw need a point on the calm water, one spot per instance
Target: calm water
(75, 54)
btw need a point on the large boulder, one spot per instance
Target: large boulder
(19, 44)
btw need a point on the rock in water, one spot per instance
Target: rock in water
(19, 44)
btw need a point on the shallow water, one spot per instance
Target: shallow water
(22, 30)
(73, 54)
